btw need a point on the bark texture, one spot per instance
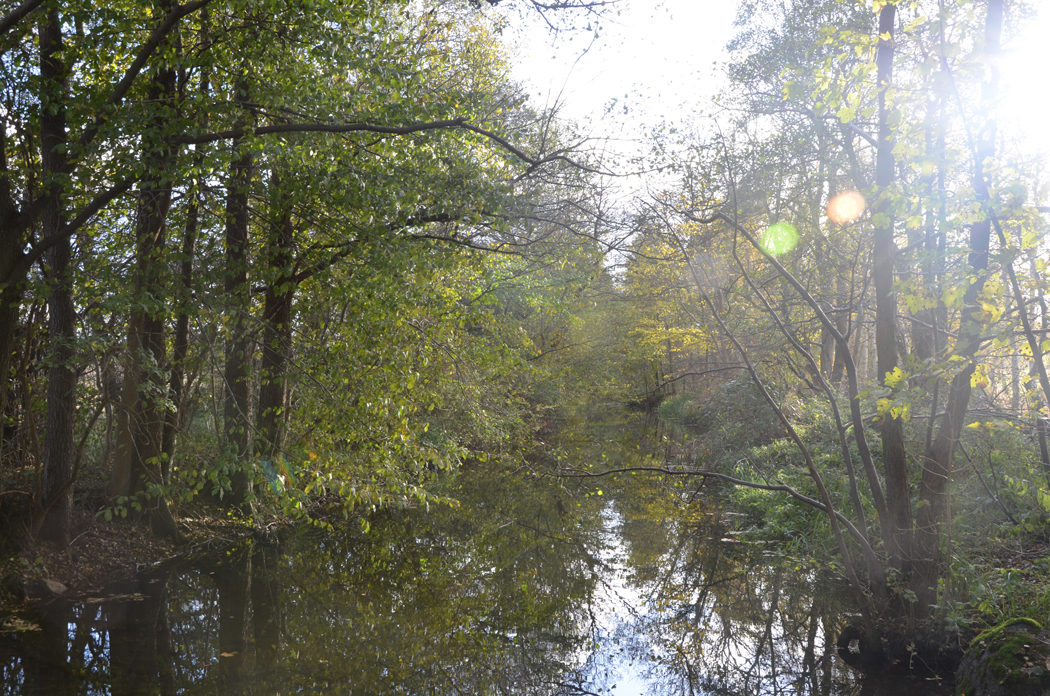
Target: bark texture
(59, 445)
(238, 344)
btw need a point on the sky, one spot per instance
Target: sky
(658, 61)
(652, 59)
(1025, 68)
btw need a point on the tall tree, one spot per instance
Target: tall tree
(138, 464)
(59, 446)
(895, 458)
(937, 462)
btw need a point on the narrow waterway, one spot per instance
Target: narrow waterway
(530, 585)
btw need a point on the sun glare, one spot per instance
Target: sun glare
(779, 238)
(846, 207)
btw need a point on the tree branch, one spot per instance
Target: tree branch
(852, 379)
(17, 15)
(781, 487)
(144, 54)
(362, 127)
(70, 228)
(319, 128)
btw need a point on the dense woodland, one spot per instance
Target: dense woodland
(305, 257)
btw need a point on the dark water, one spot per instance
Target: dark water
(532, 585)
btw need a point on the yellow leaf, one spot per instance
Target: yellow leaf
(988, 313)
(894, 378)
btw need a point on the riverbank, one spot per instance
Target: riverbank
(103, 555)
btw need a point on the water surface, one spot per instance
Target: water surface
(532, 585)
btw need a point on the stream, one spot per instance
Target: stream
(530, 585)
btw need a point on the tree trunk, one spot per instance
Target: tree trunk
(827, 350)
(180, 346)
(10, 291)
(842, 321)
(135, 632)
(277, 329)
(174, 422)
(267, 614)
(143, 406)
(923, 340)
(936, 474)
(898, 500)
(233, 580)
(1015, 377)
(59, 446)
(238, 344)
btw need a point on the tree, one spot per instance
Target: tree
(846, 76)
(341, 141)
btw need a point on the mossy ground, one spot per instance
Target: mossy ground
(1013, 658)
(1018, 654)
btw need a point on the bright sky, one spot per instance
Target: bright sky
(654, 59)
(657, 61)
(1026, 97)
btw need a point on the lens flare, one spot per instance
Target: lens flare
(779, 238)
(846, 207)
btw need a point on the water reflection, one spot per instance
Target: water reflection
(532, 586)
(492, 597)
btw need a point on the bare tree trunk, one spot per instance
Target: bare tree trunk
(895, 463)
(59, 445)
(936, 474)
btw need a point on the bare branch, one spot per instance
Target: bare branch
(851, 369)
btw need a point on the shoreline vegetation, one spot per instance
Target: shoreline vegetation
(1001, 581)
(270, 262)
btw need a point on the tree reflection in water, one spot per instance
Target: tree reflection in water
(531, 586)
(717, 615)
(492, 597)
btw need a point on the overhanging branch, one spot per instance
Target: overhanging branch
(780, 487)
